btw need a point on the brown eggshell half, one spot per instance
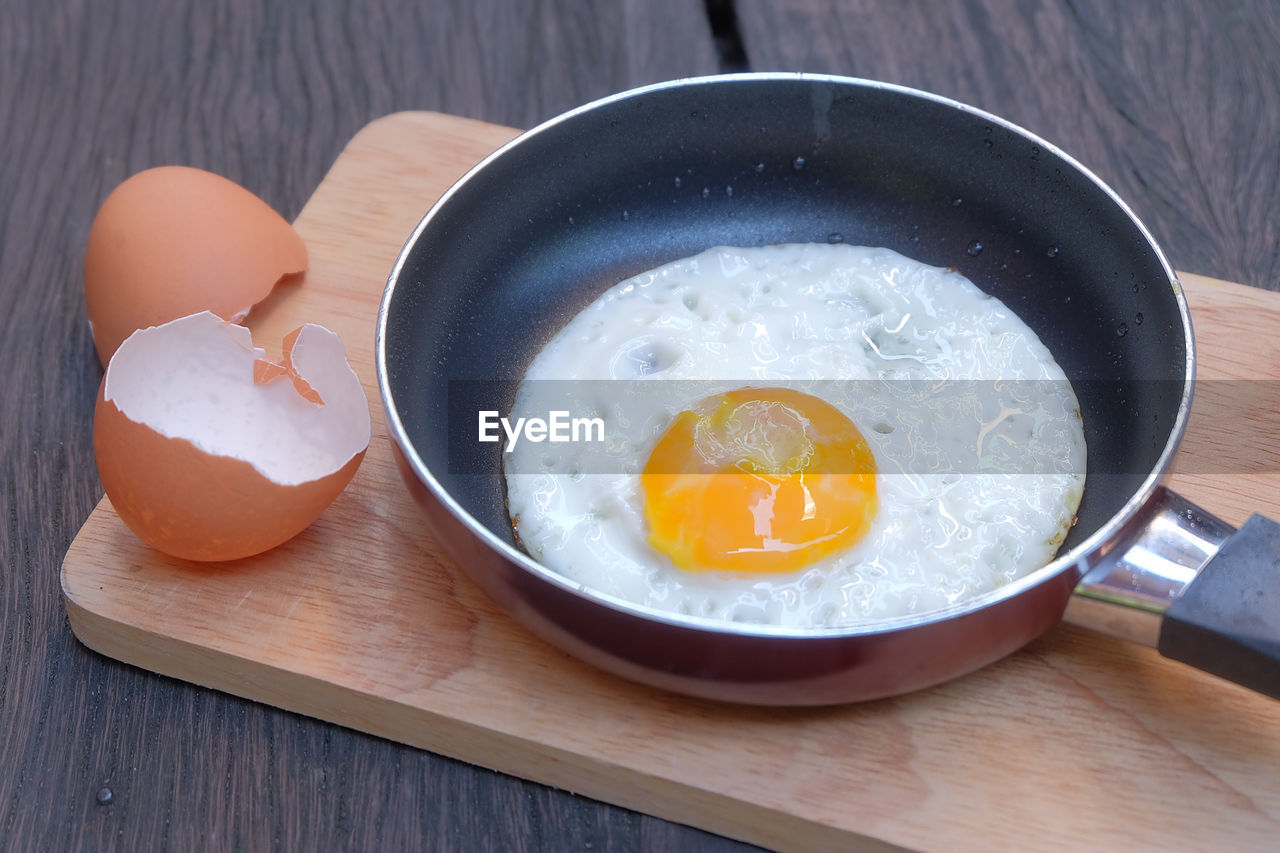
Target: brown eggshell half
(173, 240)
(207, 504)
(226, 509)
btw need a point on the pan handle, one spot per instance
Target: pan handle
(1197, 589)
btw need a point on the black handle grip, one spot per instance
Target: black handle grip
(1227, 620)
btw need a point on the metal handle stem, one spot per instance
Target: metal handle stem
(1127, 593)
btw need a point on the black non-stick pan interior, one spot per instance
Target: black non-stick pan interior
(609, 192)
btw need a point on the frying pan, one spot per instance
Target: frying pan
(538, 229)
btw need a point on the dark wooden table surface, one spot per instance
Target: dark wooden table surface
(1175, 104)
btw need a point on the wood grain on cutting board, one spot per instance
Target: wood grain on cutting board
(1076, 741)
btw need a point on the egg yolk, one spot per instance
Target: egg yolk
(758, 480)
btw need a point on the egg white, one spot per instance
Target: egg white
(978, 480)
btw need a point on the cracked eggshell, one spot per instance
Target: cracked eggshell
(208, 451)
(173, 240)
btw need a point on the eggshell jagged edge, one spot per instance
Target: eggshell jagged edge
(189, 480)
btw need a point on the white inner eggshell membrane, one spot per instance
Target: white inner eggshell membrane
(192, 378)
(952, 523)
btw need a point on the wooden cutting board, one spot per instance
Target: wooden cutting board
(1078, 741)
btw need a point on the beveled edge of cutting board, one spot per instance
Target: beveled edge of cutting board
(441, 734)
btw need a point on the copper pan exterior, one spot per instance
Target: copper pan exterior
(742, 667)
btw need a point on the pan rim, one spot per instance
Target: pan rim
(1096, 543)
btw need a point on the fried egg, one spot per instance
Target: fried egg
(805, 435)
